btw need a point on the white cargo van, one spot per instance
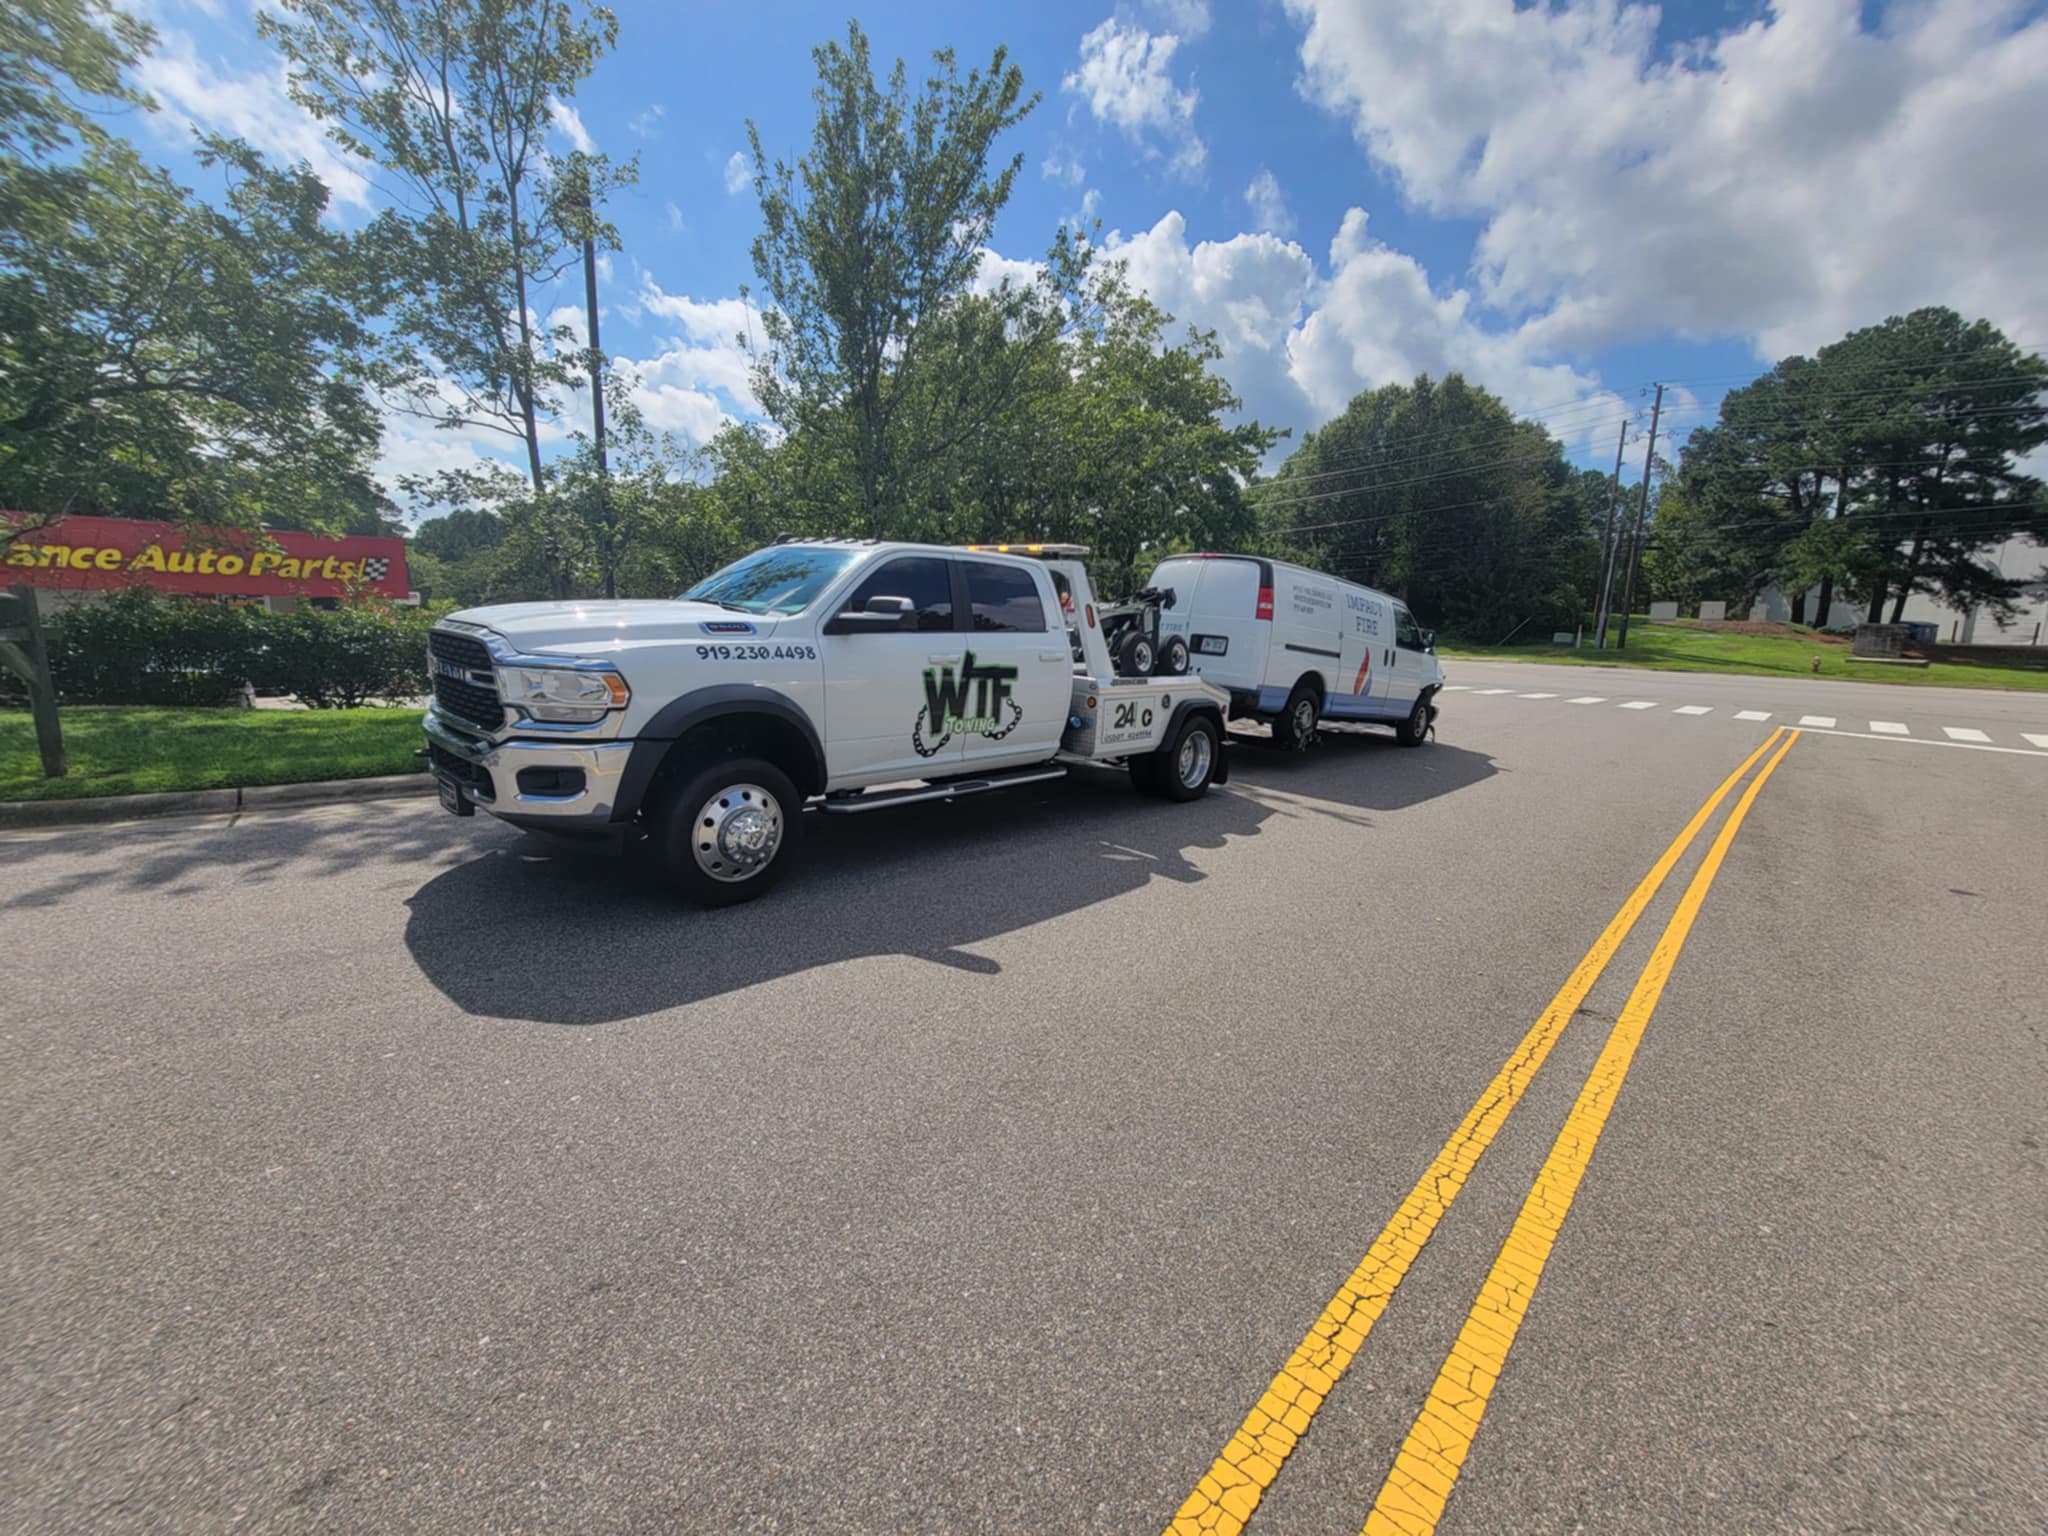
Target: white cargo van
(1294, 646)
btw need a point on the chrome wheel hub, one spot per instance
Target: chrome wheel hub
(1196, 754)
(737, 832)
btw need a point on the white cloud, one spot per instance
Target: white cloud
(1061, 166)
(647, 124)
(1268, 205)
(1783, 181)
(1091, 204)
(195, 96)
(1189, 18)
(701, 378)
(570, 122)
(1124, 78)
(1299, 343)
(738, 174)
(675, 219)
(996, 269)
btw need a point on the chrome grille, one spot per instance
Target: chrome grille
(475, 703)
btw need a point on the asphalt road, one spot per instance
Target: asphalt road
(370, 1170)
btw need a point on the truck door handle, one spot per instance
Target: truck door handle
(1052, 655)
(944, 661)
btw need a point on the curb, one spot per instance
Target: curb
(209, 802)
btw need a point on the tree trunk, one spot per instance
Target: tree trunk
(1798, 607)
(1877, 596)
(1825, 601)
(1912, 572)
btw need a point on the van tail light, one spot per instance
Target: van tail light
(1265, 603)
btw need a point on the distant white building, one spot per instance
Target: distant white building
(2021, 558)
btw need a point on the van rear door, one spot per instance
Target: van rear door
(1222, 608)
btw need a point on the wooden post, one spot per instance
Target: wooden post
(22, 651)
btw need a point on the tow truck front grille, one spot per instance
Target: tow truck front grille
(458, 661)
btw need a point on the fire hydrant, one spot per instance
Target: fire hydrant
(1816, 664)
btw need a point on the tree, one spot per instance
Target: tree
(866, 241)
(453, 99)
(159, 356)
(1888, 461)
(1436, 492)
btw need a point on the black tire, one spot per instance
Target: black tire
(1134, 654)
(1413, 731)
(711, 825)
(1184, 768)
(1173, 657)
(1296, 726)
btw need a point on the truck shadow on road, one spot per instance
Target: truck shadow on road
(554, 933)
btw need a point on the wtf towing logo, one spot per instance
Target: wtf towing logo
(946, 697)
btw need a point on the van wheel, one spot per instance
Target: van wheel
(728, 831)
(1184, 768)
(1173, 657)
(1134, 655)
(1413, 731)
(1296, 727)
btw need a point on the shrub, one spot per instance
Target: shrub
(337, 658)
(139, 648)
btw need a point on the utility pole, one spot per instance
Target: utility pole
(1635, 539)
(1608, 542)
(604, 474)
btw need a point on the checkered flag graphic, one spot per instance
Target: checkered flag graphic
(375, 567)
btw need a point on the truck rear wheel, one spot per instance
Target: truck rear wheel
(728, 830)
(1296, 726)
(1185, 766)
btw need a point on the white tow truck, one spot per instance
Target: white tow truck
(853, 674)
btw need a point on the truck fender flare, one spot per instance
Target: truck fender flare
(681, 715)
(1186, 707)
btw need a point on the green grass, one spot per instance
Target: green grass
(126, 751)
(1682, 648)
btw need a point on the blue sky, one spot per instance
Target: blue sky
(1564, 202)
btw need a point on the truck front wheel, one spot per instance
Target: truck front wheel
(728, 830)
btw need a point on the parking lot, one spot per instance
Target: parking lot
(374, 1170)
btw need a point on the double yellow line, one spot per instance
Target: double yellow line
(1419, 1485)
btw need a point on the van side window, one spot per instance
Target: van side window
(925, 581)
(1004, 597)
(1407, 634)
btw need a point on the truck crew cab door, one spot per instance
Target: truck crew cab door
(1016, 679)
(880, 682)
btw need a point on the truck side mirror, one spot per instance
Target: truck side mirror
(1429, 639)
(879, 616)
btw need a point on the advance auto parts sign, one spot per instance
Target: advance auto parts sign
(950, 695)
(103, 554)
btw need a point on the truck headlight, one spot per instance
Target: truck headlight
(564, 697)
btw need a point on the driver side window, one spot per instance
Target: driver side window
(928, 583)
(1407, 634)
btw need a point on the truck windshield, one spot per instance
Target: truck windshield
(784, 579)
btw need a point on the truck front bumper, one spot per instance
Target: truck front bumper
(554, 784)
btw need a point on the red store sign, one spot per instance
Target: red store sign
(104, 554)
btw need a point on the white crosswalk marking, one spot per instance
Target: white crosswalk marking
(1889, 728)
(1692, 709)
(1493, 690)
(1588, 698)
(1752, 714)
(1818, 722)
(1964, 733)
(1456, 687)
(1641, 704)
(2039, 741)
(1535, 695)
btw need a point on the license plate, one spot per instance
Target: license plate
(1212, 645)
(452, 798)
